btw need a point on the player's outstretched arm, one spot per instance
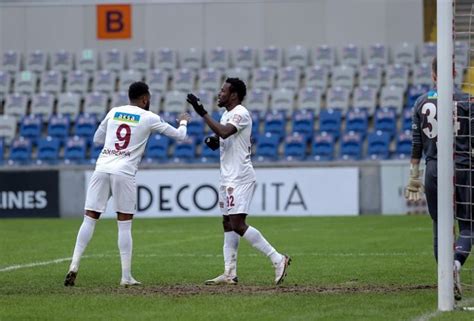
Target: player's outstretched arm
(168, 130)
(220, 130)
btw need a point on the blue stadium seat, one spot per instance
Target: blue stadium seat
(170, 117)
(295, 147)
(275, 123)
(267, 147)
(414, 92)
(208, 155)
(95, 152)
(255, 126)
(386, 121)
(30, 127)
(330, 121)
(196, 127)
(351, 146)
(407, 115)
(185, 151)
(216, 114)
(303, 123)
(378, 145)
(322, 147)
(58, 126)
(75, 150)
(403, 147)
(157, 148)
(20, 151)
(357, 120)
(48, 150)
(85, 127)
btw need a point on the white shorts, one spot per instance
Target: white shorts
(121, 188)
(237, 199)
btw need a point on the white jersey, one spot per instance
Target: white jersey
(124, 133)
(236, 165)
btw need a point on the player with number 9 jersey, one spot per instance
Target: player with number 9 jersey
(124, 133)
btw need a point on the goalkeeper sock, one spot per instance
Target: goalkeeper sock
(230, 249)
(257, 240)
(125, 244)
(83, 237)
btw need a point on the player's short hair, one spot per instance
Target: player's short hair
(237, 86)
(137, 89)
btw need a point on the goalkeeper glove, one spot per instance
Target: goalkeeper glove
(415, 187)
(197, 105)
(212, 142)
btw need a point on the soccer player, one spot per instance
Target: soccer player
(425, 132)
(124, 133)
(237, 179)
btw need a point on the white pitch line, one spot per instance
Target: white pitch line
(430, 315)
(33, 264)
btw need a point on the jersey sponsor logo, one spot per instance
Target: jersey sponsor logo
(128, 118)
(237, 119)
(432, 94)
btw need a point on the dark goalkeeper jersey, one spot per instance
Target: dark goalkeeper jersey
(425, 127)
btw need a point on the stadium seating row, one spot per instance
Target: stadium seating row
(322, 147)
(301, 122)
(186, 80)
(258, 100)
(141, 59)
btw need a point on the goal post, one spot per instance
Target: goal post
(445, 154)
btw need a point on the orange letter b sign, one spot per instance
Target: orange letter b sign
(114, 21)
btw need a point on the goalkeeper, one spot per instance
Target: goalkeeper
(425, 135)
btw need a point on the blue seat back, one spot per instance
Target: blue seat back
(404, 144)
(157, 147)
(267, 146)
(186, 149)
(58, 126)
(378, 145)
(30, 127)
(295, 146)
(330, 121)
(303, 122)
(275, 123)
(86, 125)
(48, 149)
(75, 150)
(386, 121)
(357, 120)
(351, 146)
(20, 150)
(323, 146)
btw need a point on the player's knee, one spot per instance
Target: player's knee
(92, 214)
(240, 228)
(227, 226)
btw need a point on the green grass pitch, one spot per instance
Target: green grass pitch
(359, 268)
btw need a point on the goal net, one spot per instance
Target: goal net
(463, 20)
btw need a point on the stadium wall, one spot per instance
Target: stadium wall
(336, 189)
(71, 25)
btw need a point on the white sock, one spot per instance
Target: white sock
(231, 246)
(457, 265)
(83, 237)
(257, 240)
(125, 245)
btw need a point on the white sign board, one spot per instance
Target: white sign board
(279, 192)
